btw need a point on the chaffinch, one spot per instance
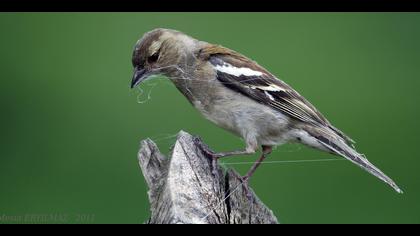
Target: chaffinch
(241, 96)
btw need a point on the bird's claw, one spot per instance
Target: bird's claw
(245, 185)
(215, 167)
(208, 152)
(205, 148)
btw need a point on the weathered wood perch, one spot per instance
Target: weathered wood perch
(186, 189)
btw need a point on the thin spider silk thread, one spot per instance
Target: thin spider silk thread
(149, 93)
(161, 137)
(287, 161)
(267, 162)
(152, 86)
(185, 76)
(226, 163)
(223, 200)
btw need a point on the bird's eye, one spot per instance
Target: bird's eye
(153, 58)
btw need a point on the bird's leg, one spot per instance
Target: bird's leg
(266, 150)
(216, 156)
(219, 155)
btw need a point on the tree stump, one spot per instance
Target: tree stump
(186, 188)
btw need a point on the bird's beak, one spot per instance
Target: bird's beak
(140, 74)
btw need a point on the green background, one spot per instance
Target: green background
(70, 125)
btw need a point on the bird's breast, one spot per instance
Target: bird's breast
(243, 116)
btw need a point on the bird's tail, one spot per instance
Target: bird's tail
(340, 145)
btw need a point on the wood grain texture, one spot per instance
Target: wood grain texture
(186, 188)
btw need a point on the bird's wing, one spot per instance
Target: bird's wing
(242, 75)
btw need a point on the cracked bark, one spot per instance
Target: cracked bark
(185, 188)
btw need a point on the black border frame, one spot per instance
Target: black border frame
(209, 6)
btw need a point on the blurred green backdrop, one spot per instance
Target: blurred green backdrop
(70, 125)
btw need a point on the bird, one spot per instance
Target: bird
(242, 97)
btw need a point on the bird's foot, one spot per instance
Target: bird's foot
(215, 167)
(245, 186)
(209, 153)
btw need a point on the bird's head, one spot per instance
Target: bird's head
(160, 52)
